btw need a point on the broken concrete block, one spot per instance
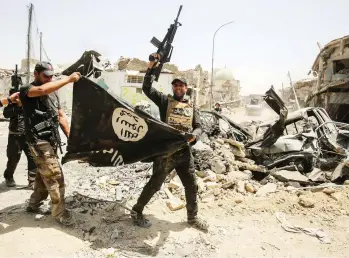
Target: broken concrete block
(266, 189)
(306, 202)
(239, 175)
(251, 167)
(286, 175)
(228, 185)
(220, 177)
(346, 182)
(211, 185)
(201, 185)
(202, 174)
(236, 147)
(328, 191)
(218, 166)
(250, 188)
(316, 175)
(240, 187)
(175, 204)
(211, 177)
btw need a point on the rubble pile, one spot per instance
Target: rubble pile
(108, 183)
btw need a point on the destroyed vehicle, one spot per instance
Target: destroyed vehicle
(301, 139)
(214, 124)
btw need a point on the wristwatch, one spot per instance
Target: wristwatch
(9, 100)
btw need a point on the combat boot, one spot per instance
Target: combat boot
(10, 182)
(139, 220)
(67, 219)
(39, 209)
(198, 223)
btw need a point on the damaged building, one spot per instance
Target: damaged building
(332, 69)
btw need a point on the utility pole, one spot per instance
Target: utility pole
(294, 91)
(30, 16)
(40, 46)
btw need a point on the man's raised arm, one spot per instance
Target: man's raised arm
(156, 96)
(47, 88)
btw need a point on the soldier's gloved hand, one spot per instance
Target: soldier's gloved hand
(74, 77)
(152, 59)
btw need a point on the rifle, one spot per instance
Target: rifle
(16, 81)
(165, 48)
(51, 123)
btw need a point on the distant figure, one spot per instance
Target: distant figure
(217, 108)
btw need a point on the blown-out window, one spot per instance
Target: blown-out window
(134, 79)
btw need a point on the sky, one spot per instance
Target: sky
(267, 39)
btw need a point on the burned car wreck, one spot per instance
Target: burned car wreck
(300, 141)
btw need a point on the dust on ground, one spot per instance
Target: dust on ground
(240, 225)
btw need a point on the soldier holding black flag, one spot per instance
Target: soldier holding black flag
(42, 116)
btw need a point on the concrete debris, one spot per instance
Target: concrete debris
(266, 189)
(239, 175)
(250, 188)
(346, 182)
(316, 175)
(286, 175)
(211, 185)
(237, 148)
(218, 166)
(328, 191)
(306, 202)
(228, 185)
(241, 187)
(173, 203)
(211, 176)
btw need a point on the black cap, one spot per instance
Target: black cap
(179, 80)
(45, 67)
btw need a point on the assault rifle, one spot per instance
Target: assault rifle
(164, 47)
(50, 125)
(16, 81)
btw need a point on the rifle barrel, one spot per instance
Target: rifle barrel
(179, 12)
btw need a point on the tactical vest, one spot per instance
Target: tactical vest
(180, 115)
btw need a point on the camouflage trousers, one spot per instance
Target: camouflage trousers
(49, 178)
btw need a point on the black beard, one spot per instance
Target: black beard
(178, 98)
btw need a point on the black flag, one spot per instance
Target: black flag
(106, 131)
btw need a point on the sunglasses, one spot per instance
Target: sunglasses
(179, 85)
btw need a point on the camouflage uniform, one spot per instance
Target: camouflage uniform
(49, 179)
